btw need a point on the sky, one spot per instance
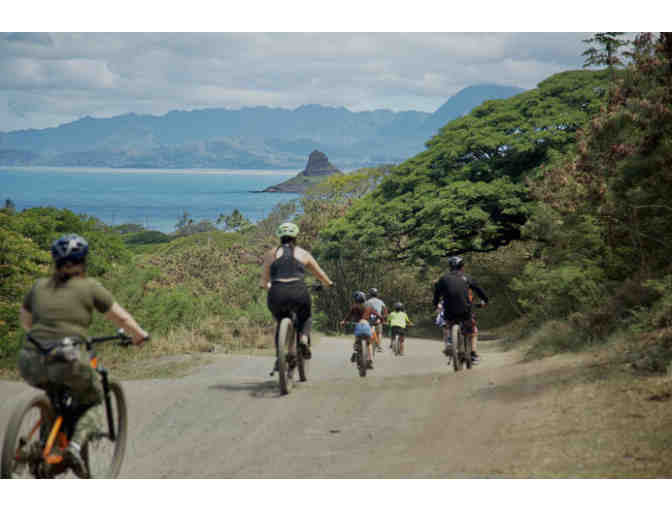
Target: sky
(56, 69)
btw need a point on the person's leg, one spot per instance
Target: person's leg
(274, 303)
(369, 350)
(32, 368)
(474, 342)
(447, 340)
(86, 390)
(301, 303)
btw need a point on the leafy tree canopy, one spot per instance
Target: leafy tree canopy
(234, 221)
(467, 191)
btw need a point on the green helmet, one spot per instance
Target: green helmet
(287, 230)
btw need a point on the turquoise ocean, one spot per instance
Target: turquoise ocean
(153, 198)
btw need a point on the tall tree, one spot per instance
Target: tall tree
(467, 192)
(605, 51)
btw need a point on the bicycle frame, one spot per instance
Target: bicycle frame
(59, 402)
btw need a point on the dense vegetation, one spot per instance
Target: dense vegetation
(557, 197)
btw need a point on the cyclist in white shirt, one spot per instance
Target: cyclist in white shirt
(379, 306)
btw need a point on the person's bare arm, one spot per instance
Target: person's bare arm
(315, 268)
(123, 319)
(266, 271)
(26, 319)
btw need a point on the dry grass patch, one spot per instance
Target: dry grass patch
(179, 349)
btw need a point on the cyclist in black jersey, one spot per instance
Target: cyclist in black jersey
(453, 291)
(283, 274)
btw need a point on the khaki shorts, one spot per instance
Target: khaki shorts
(41, 371)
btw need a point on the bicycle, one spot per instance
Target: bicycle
(360, 354)
(289, 338)
(40, 430)
(462, 348)
(396, 344)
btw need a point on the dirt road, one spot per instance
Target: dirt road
(411, 416)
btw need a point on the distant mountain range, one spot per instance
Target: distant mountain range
(254, 138)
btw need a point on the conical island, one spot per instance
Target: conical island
(317, 169)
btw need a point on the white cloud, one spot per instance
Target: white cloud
(68, 75)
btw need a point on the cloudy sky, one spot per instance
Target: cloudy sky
(49, 78)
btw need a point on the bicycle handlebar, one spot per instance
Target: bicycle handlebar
(121, 335)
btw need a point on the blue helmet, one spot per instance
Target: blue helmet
(359, 296)
(69, 248)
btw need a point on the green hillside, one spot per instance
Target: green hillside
(558, 198)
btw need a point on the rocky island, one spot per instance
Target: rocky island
(317, 169)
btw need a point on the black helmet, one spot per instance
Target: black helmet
(359, 296)
(373, 292)
(456, 262)
(398, 306)
(69, 248)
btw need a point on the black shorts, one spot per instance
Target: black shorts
(465, 319)
(287, 297)
(398, 330)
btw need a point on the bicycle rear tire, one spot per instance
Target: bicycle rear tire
(396, 347)
(302, 363)
(467, 351)
(22, 435)
(361, 356)
(456, 335)
(102, 454)
(285, 335)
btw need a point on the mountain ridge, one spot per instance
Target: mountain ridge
(250, 137)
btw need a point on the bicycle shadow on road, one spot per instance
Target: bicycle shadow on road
(266, 389)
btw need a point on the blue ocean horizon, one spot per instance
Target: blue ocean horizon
(153, 198)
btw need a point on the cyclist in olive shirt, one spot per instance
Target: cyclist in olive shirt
(62, 306)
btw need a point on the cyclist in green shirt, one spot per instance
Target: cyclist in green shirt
(62, 306)
(398, 320)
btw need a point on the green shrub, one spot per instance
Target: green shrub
(147, 237)
(554, 337)
(547, 293)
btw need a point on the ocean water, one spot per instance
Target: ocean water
(152, 198)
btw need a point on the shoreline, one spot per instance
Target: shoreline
(162, 171)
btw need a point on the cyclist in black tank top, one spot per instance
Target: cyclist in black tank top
(287, 267)
(283, 276)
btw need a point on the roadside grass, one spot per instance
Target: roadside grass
(603, 419)
(178, 350)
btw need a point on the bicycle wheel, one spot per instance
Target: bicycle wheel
(467, 351)
(395, 345)
(285, 334)
(456, 335)
(102, 454)
(302, 363)
(361, 356)
(24, 438)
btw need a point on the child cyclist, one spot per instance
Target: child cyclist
(360, 314)
(398, 320)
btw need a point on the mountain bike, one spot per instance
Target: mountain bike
(396, 342)
(361, 343)
(40, 430)
(461, 354)
(360, 352)
(289, 339)
(462, 343)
